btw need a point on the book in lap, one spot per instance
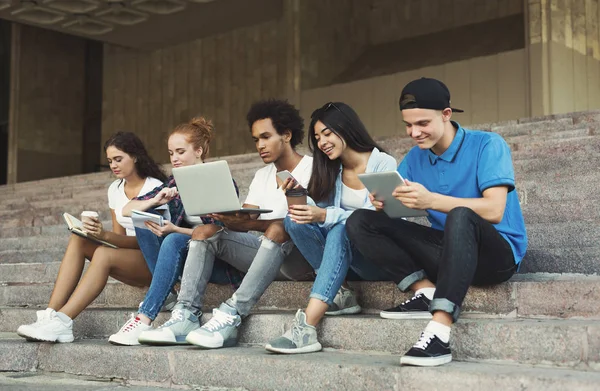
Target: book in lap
(139, 219)
(76, 226)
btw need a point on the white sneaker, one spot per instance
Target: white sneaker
(220, 331)
(52, 329)
(129, 333)
(174, 331)
(42, 317)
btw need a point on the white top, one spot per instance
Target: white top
(352, 199)
(264, 193)
(117, 200)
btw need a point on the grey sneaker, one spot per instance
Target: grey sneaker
(174, 330)
(301, 338)
(220, 331)
(344, 303)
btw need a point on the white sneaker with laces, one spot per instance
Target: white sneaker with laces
(220, 331)
(53, 329)
(129, 333)
(42, 317)
(174, 331)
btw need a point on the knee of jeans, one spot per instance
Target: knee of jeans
(460, 214)
(276, 232)
(356, 222)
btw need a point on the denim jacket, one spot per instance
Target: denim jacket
(378, 162)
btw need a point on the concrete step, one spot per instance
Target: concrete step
(561, 343)
(561, 211)
(534, 129)
(42, 381)
(579, 117)
(44, 230)
(525, 295)
(254, 369)
(585, 260)
(557, 147)
(561, 165)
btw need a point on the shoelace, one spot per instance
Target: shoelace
(219, 320)
(412, 298)
(131, 324)
(176, 316)
(424, 340)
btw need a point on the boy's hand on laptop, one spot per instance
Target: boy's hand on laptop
(165, 195)
(234, 222)
(159, 231)
(414, 195)
(306, 214)
(377, 204)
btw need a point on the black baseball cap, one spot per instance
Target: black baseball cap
(426, 93)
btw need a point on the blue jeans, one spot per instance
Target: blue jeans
(331, 254)
(165, 257)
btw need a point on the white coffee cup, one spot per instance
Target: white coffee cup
(89, 215)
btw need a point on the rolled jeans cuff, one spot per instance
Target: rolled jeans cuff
(439, 304)
(405, 284)
(324, 299)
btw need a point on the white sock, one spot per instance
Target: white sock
(63, 317)
(440, 330)
(427, 292)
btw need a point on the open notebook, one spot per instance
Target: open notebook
(76, 226)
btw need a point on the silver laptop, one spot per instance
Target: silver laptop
(382, 184)
(208, 188)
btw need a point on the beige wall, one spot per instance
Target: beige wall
(47, 98)
(392, 20)
(488, 88)
(564, 55)
(219, 76)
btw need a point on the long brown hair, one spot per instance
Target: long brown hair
(342, 120)
(129, 143)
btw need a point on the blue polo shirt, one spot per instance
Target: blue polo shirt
(474, 162)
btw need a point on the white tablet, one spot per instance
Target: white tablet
(382, 185)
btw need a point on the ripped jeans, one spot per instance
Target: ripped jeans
(261, 259)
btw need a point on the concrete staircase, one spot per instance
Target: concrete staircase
(541, 330)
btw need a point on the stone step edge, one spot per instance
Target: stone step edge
(328, 370)
(540, 295)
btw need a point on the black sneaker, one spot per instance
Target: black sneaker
(429, 351)
(416, 307)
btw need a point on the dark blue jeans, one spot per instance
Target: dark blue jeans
(165, 257)
(469, 251)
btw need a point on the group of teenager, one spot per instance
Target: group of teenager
(464, 179)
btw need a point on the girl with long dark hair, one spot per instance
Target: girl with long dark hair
(342, 148)
(136, 174)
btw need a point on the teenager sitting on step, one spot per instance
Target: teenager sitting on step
(137, 174)
(342, 149)
(165, 248)
(465, 180)
(277, 129)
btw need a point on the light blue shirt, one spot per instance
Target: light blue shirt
(378, 161)
(474, 162)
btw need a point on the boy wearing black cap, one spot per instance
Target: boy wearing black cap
(465, 180)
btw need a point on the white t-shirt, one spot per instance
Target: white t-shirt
(117, 200)
(352, 199)
(264, 193)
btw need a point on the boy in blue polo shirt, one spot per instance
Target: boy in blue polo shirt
(465, 180)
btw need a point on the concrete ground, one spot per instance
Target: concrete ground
(37, 381)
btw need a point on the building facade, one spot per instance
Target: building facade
(66, 89)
